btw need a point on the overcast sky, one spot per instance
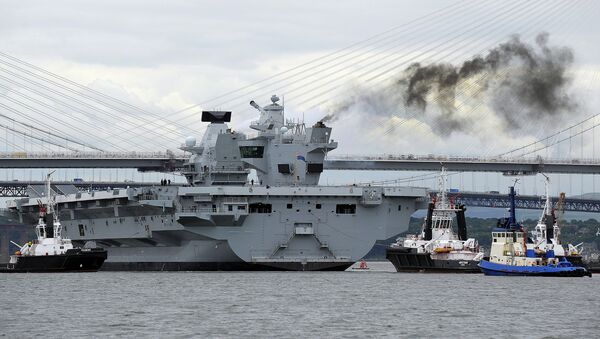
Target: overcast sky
(167, 55)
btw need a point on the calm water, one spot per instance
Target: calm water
(378, 303)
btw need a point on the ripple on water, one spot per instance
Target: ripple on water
(293, 304)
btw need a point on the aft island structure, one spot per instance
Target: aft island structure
(223, 220)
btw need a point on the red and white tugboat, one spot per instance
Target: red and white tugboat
(50, 252)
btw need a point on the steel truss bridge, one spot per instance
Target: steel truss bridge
(496, 200)
(18, 189)
(169, 161)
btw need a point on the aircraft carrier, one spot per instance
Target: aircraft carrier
(222, 220)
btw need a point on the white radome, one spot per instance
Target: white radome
(283, 130)
(190, 141)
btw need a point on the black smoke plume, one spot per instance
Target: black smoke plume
(520, 82)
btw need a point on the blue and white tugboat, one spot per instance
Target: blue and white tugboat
(514, 253)
(51, 252)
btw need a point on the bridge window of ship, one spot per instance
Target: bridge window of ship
(252, 151)
(260, 208)
(314, 168)
(289, 206)
(284, 168)
(345, 208)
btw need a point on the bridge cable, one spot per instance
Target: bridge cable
(320, 89)
(104, 111)
(47, 132)
(443, 11)
(63, 102)
(95, 127)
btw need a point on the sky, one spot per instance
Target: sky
(166, 56)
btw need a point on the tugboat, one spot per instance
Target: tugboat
(546, 235)
(514, 253)
(438, 248)
(50, 252)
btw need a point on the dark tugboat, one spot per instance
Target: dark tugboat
(50, 252)
(438, 248)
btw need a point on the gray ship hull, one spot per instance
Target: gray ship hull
(221, 266)
(204, 228)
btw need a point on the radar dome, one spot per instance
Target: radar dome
(283, 129)
(190, 141)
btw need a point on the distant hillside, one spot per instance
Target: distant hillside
(588, 196)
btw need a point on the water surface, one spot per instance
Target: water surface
(353, 304)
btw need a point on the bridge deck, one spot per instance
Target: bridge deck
(165, 162)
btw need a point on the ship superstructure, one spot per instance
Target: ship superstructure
(222, 220)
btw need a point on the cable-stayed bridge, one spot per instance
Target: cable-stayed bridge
(49, 121)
